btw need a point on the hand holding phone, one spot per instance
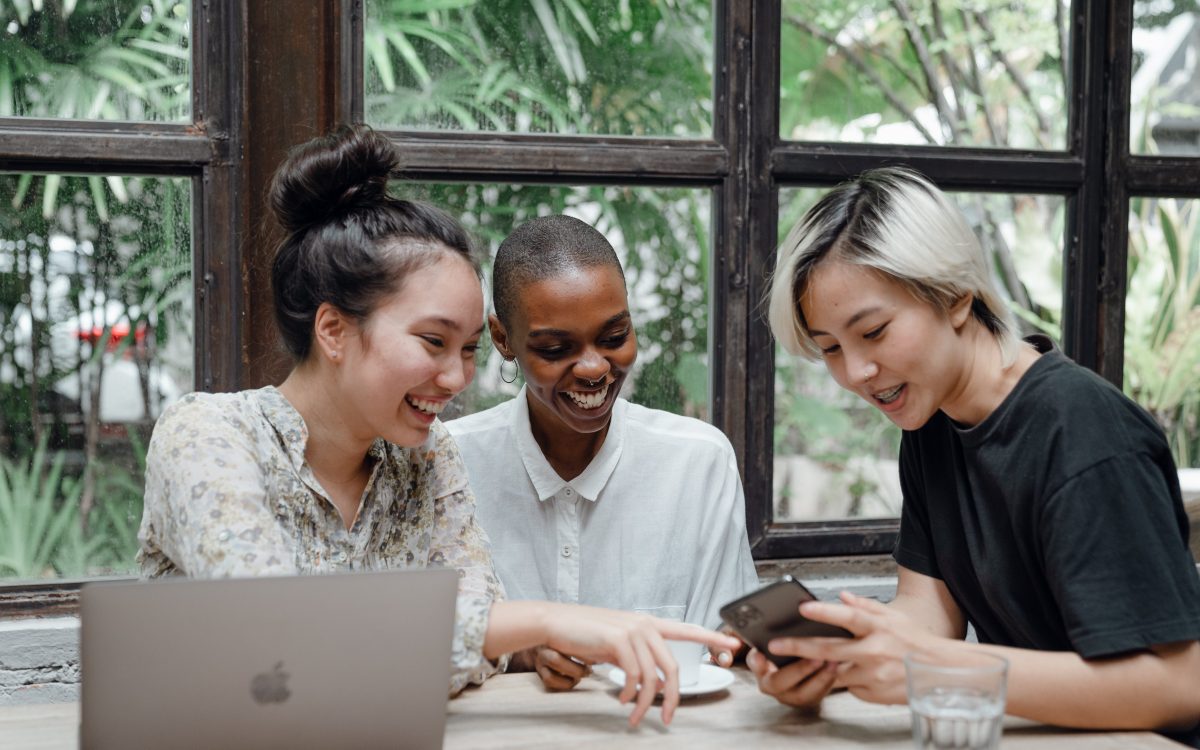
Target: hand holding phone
(774, 612)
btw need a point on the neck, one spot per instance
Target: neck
(334, 450)
(569, 452)
(984, 381)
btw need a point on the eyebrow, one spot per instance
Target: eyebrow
(619, 317)
(853, 319)
(450, 324)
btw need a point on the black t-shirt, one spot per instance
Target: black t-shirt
(1057, 522)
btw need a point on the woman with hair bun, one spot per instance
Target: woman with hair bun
(345, 466)
(1041, 506)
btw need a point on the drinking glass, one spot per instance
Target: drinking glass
(957, 700)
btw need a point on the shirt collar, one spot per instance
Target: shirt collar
(289, 426)
(546, 480)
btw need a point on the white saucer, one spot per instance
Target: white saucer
(712, 679)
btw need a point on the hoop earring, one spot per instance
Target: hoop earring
(515, 371)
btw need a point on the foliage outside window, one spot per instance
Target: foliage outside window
(95, 59)
(540, 66)
(981, 73)
(95, 286)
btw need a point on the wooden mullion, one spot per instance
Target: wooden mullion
(556, 159)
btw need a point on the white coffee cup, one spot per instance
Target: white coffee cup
(687, 653)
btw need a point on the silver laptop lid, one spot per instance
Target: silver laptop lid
(358, 660)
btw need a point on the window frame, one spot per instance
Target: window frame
(303, 77)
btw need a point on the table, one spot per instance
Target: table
(513, 711)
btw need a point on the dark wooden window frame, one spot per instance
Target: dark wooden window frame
(301, 77)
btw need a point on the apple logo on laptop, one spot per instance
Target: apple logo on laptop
(271, 687)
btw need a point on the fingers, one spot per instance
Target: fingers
(682, 631)
(649, 680)
(808, 691)
(859, 615)
(670, 670)
(558, 672)
(816, 649)
(721, 657)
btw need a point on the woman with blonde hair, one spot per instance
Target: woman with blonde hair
(1041, 506)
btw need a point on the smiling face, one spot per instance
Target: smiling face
(574, 339)
(900, 354)
(414, 353)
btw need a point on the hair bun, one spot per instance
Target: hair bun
(332, 176)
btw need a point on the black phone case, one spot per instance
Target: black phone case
(772, 612)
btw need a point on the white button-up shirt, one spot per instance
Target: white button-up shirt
(657, 519)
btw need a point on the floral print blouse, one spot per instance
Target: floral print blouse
(229, 493)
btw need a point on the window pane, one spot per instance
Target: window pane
(1165, 90)
(551, 66)
(1162, 319)
(95, 340)
(661, 236)
(988, 73)
(97, 59)
(835, 455)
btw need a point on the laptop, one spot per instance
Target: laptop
(323, 661)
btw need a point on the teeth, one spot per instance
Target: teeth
(589, 400)
(429, 407)
(889, 395)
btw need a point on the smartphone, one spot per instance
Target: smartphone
(774, 612)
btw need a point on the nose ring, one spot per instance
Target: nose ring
(592, 383)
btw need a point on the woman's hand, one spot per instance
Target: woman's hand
(558, 671)
(870, 665)
(636, 643)
(803, 683)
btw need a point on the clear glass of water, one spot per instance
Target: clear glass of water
(957, 700)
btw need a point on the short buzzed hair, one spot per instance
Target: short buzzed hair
(543, 248)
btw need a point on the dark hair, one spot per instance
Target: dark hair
(349, 242)
(542, 248)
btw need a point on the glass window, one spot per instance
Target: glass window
(987, 73)
(835, 455)
(661, 236)
(99, 59)
(1162, 319)
(547, 66)
(1165, 90)
(95, 340)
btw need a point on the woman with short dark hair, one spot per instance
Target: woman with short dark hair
(345, 466)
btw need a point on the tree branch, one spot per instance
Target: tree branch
(866, 69)
(1060, 23)
(1016, 75)
(998, 134)
(913, 31)
(953, 73)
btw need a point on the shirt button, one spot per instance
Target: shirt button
(566, 552)
(340, 556)
(568, 492)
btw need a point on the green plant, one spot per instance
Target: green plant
(1162, 323)
(38, 510)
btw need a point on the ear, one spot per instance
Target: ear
(960, 311)
(331, 330)
(499, 336)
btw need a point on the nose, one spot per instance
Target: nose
(591, 366)
(456, 374)
(860, 369)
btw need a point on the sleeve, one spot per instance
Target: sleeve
(458, 541)
(726, 568)
(1117, 561)
(914, 546)
(206, 504)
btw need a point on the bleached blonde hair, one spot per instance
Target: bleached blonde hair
(896, 222)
